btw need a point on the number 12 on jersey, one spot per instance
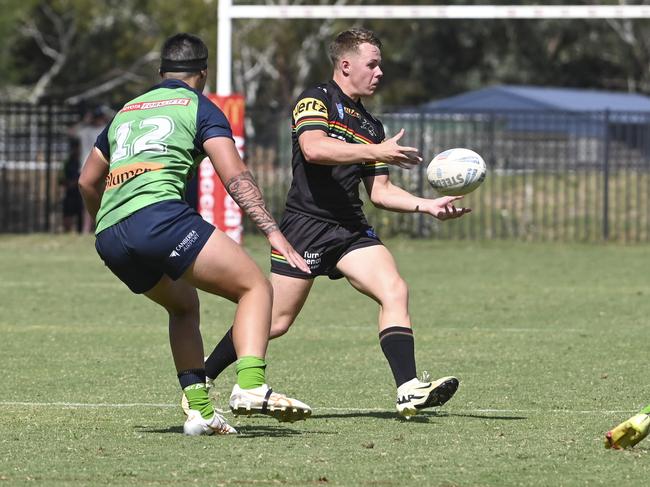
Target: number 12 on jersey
(149, 136)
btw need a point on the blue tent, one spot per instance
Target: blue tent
(535, 98)
(571, 111)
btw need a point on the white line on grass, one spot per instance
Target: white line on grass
(472, 329)
(48, 284)
(342, 410)
(88, 404)
(465, 331)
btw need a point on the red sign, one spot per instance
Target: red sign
(215, 204)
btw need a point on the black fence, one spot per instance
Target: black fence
(34, 143)
(551, 175)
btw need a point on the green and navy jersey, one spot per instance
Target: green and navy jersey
(331, 193)
(153, 145)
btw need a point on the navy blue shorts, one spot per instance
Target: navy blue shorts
(322, 244)
(163, 238)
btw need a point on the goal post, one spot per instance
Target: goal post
(227, 12)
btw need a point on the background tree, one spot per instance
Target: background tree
(80, 50)
(83, 51)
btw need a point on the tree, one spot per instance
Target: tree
(82, 50)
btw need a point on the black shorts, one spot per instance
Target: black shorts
(163, 238)
(322, 244)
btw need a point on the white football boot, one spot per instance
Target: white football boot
(415, 394)
(262, 400)
(196, 425)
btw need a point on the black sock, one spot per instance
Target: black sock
(190, 377)
(399, 348)
(221, 357)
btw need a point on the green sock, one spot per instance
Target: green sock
(250, 372)
(645, 410)
(197, 396)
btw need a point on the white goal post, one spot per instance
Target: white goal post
(227, 12)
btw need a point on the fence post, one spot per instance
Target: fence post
(48, 164)
(421, 174)
(606, 178)
(4, 176)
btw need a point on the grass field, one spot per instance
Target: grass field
(550, 343)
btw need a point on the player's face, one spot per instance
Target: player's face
(363, 69)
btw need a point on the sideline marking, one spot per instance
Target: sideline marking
(317, 408)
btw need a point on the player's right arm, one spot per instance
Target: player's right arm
(244, 190)
(91, 180)
(310, 120)
(319, 148)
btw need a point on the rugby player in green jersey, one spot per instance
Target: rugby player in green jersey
(133, 184)
(338, 144)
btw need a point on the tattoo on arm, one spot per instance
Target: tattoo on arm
(247, 194)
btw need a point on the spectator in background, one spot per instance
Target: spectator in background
(69, 181)
(91, 126)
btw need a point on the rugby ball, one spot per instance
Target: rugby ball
(455, 172)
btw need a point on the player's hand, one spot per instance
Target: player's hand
(444, 208)
(280, 243)
(392, 153)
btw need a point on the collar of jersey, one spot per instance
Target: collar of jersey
(172, 83)
(350, 100)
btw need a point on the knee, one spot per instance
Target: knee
(185, 308)
(280, 327)
(395, 292)
(259, 284)
(264, 288)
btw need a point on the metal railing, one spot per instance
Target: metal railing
(551, 175)
(34, 142)
(561, 176)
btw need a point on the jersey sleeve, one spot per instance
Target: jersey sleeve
(211, 122)
(310, 112)
(375, 168)
(102, 143)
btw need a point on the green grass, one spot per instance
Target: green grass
(549, 341)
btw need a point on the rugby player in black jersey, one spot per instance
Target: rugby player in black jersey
(337, 144)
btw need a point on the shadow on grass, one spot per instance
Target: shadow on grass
(245, 431)
(281, 431)
(148, 429)
(477, 416)
(422, 417)
(370, 414)
(254, 431)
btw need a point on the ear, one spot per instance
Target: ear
(345, 67)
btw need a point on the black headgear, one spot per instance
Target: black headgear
(185, 66)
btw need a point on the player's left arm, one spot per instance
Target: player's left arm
(384, 194)
(92, 180)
